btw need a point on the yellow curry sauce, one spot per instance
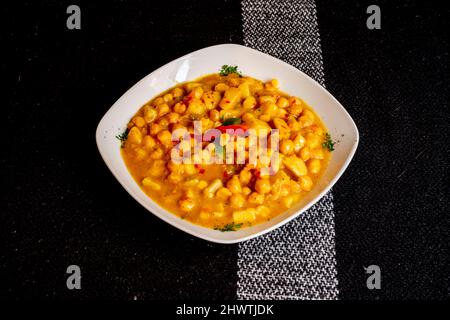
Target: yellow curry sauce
(226, 196)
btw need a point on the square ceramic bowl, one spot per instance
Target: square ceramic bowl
(255, 64)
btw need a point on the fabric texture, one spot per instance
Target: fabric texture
(298, 260)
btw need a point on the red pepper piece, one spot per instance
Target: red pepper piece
(234, 127)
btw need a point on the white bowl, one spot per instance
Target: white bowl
(255, 64)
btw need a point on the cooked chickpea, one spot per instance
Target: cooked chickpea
(140, 154)
(221, 87)
(191, 85)
(281, 113)
(135, 135)
(247, 117)
(245, 176)
(293, 124)
(287, 147)
(299, 142)
(294, 186)
(157, 168)
(237, 200)
(263, 211)
(177, 92)
(317, 154)
(202, 184)
(256, 198)
(317, 130)
(223, 193)
(264, 99)
(271, 85)
(281, 125)
(308, 113)
(175, 167)
(306, 183)
(179, 107)
(234, 185)
(150, 114)
(173, 117)
(282, 102)
(164, 122)
(274, 83)
(197, 92)
(305, 153)
(196, 107)
(249, 103)
(168, 97)
(262, 186)
(189, 169)
(246, 191)
(162, 109)
(158, 153)
(138, 121)
(269, 108)
(186, 205)
(306, 121)
(294, 101)
(174, 178)
(314, 166)
(214, 115)
(149, 142)
(148, 182)
(211, 99)
(295, 110)
(230, 98)
(158, 100)
(287, 201)
(233, 82)
(155, 128)
(245, 90)
(313, 140)
(165, 137)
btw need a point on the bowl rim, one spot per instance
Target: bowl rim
(162, 214)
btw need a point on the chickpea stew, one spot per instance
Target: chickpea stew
(226, 196)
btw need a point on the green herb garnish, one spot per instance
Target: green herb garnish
(226, 70)
(232, 121)
(122, 137)
(229, 227)
(328, 143)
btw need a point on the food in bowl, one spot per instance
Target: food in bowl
(269, 150)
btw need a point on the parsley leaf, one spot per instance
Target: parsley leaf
(122, 137)
(226, 70)
(232, 121)
(328, 143)
(229, 227)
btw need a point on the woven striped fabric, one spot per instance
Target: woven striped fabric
(296, 261)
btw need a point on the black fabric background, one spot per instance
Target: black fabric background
(392, 202)
(60, 205)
